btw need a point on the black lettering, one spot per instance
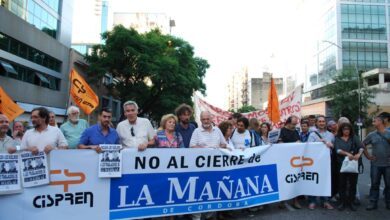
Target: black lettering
(86, 194)
(172, 162)
(51, 201)
(217, 161)
(316, 177)
(154, 162)
(199, 162)
(225, 159)
(140, 162)
(36, 205)
(58, 199)
(69, 197)
(182, 162)
(241, 161)
(233, 160)
(78, 198)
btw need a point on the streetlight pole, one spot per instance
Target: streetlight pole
(359, 121)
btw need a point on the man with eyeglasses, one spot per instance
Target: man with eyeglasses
(135, 132)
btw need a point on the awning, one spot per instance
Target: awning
(42, 78)
(8, 67)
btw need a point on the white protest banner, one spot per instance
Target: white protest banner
(34, 169)
(9, 174)
(273, 136)
(290, 105)
(163, 182)
(110, 161)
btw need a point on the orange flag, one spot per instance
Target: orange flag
(8, 107)
(82, 94)
(273, 103)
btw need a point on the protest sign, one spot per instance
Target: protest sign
(163, 182)
(9, 174)
(290, 105)
(273, 136)
(34, 169)
(110, 161)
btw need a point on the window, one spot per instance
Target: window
(22, 73)
(23, 50)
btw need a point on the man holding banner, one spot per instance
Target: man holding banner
(7, 144)
(42, 137)
(135, 132)
(101, 133)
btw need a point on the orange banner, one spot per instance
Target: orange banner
(8, 107)
(82, 94)
(273, 103)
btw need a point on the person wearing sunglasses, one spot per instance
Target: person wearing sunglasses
(134, 131)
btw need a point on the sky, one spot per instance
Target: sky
(262, 35)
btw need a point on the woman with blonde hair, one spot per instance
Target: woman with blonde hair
(166, 136)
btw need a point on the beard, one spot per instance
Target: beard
(186, 121)
(35, 125)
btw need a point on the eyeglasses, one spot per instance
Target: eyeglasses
(132, 131)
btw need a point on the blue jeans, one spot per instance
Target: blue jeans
(376, 175)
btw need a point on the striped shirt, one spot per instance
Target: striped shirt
(201, 137)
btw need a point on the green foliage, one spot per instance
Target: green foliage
(344, 95)
(157, 71)
(246, 108)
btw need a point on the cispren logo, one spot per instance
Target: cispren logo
(66, 198)
(302, 162)
(66, 183)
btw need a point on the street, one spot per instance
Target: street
(273, 212)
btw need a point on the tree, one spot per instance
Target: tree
(344, 96)
(246, 108)
(157, 71)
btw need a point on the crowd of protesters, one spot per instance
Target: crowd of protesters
(178, 131)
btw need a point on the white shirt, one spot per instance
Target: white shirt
(202, 137)
(326, 135)
(142, 129)
(6, 143)
(50, 136)
(230, 144)
(241, 140)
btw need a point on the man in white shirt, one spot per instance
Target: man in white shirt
(207, 135)
(42, 137)
(135, 132)
(7, 144)
(241, 136)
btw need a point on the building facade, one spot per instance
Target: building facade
(238, 90)
(353, 34)
(260, 89)
(90, 21)
(143, 22)
(34, 53)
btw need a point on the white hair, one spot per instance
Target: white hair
(73, 108)
(202, 113)
(130, 103)
(343, 120)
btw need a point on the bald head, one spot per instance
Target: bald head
(205, 118)
(4, 125)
